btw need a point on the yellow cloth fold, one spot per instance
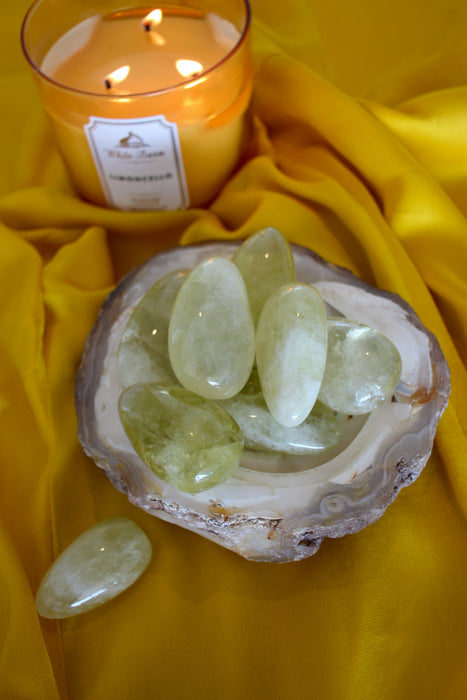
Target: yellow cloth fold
(359, 151)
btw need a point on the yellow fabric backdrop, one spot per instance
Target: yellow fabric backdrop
(359, 152)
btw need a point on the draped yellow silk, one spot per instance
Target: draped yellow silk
(359, 151)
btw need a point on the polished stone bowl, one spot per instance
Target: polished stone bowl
(277, 508)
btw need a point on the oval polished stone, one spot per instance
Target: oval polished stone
(211, 333)
(363, 368)
(320, 431)
(187, 441)
(291, 340)
(266, 263)
(143, 353)
(100, 564)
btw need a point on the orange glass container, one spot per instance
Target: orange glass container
(148, 104)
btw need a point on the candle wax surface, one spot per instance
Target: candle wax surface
(93, 50)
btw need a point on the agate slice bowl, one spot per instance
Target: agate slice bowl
(276, 508)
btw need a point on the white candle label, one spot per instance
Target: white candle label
(139, 162)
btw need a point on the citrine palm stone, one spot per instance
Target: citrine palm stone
(187, 441)
(363, 368)
(266, 263)
(97, 566)
(291, 341)
(211, 333)
(143, 353)
(320, 431)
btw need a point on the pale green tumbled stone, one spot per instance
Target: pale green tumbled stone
(211, 333)
(266, 263)
(187, 441)
(100, 564)
(363, 368)
(143, 353)
(291, 340)
(320, 431)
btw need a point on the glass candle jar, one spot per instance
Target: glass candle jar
(148, 105)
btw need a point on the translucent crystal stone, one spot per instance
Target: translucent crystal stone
(291, 339)
(187, 441)
(100, 564)
(363, 368)
(211, 333)
(143, 353)
(266, 263)
(320, 431)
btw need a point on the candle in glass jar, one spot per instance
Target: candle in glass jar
(148, 107)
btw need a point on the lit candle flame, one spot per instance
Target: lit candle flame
(116, 77)
(187, 68)
(152, 19)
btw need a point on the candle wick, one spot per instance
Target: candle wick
(108, 83)
(147, 26)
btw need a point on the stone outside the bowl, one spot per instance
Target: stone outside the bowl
(99, 565)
